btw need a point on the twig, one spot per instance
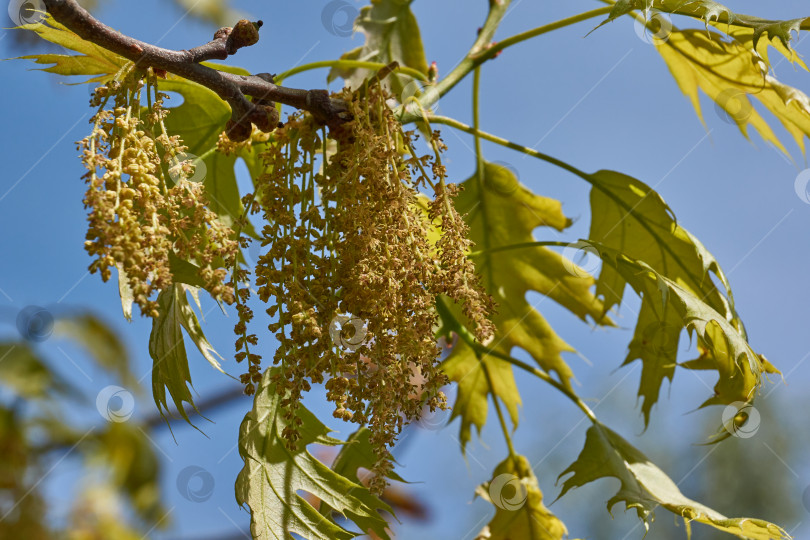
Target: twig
(230, 87)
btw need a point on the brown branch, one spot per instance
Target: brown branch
(234, 89)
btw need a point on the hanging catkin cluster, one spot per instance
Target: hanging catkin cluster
(352, 270)
(143, 207)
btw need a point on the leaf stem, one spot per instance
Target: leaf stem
(509, 144)
(347, 64)
(521, 245)
(453, 324)
(534, 32)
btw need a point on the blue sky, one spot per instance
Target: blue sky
(602, 102)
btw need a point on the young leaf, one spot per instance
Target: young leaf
(645, 487)
(726, 348)
(93, 60)
(502, 214)
(273, 475)
(357, 453)
(168, 351)
(392, 35)
(632, 219)
(199, 120)
(729, 72)
(519, 508)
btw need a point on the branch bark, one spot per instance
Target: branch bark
(234, 89)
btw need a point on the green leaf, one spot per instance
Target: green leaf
(199, 121)
(392, 35)
(184, 271)
(273, 475)
(731, 70)
(93, 60)
(632, 219)
(725, 346)
(357, 453)
(519, 509)
(730, 73)
(100, 341)
(502, 215)
(167, 349)
(645, 487)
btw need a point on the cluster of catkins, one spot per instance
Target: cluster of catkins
(354, 260)
(144, 210)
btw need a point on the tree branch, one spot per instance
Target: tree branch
(234, 89)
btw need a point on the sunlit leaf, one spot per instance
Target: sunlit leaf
(502, 215)
(273, 475)
(631, 218)
(167, 349)
(392, 35)
(645, 487)
(732, 70)
(519, 508)
(739, 367)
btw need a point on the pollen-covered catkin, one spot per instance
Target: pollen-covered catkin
(350, 274)
(143, 209)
